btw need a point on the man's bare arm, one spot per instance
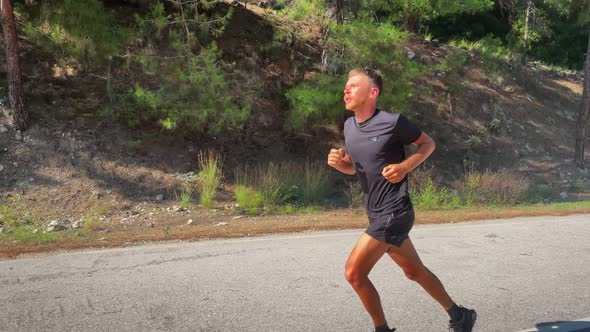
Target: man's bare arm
(396, 172)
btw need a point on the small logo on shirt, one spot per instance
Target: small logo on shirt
(375, 139)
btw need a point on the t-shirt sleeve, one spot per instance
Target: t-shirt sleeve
(406, 130)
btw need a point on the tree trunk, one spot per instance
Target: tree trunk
(584, 112)
(15, 86)
(339, 11)
(526, 32)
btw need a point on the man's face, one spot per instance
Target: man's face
(358, 90)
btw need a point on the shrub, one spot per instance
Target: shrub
(495, 188)
(286, 182)
(193, 100)
(431, 196)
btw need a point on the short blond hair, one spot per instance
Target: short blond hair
(373, 74)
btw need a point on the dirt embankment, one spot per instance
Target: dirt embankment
(72, 164)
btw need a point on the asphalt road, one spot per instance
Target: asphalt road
(521, 274)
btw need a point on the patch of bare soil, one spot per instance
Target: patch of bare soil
(218, 226)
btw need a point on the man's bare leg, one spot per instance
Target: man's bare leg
(362, 259)
(407, 258)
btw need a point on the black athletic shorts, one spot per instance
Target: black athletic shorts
(393, 228)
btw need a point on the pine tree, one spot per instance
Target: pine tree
(15, 87)
(584, 113)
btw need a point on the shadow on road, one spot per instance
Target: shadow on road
(563, 326)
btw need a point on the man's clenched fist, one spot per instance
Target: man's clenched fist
(335, 157)
(394, 173)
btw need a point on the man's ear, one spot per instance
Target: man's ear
(374, 92)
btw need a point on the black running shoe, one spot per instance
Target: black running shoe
(465, 324)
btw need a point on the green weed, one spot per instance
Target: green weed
(185, 199)
(248, 200)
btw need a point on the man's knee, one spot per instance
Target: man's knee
(354, 276)
(415, 273)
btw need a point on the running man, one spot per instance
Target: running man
(374, 142)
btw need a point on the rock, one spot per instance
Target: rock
(411, 54)
(237, 217)
(3, 129)
(19, 136)
(234, 3)
(189, 222)
(56, 225)
(178, 208)
(1, 168)
(160, 197)
(435, 42)
(15, 164)
(77, 224)
(1, 230)
(563, 195)
(36, 230)
(220, 224)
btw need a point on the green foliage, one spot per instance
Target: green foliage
(292, 209)
(284, 183)
(83, 29)
(432, 197)
(414, 15)
(563, 41)
(307, 10)
(210, 176)
(473, 141)
(454, 7)
(185, 199)
(318, 100)
(486, 188)
(276, 183)
(8, 216)
(26, 234)
(249, 200)
(454, 61)
(190, 94)
(494, 55)
(194, 100)
(21, 228)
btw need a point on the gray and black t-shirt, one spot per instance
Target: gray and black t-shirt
(374, 144)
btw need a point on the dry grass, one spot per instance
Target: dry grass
(497, 188)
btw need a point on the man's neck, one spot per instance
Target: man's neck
(365, 113)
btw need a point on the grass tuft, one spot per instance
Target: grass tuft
(210, 176)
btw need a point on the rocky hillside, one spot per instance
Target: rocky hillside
(72, 161)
